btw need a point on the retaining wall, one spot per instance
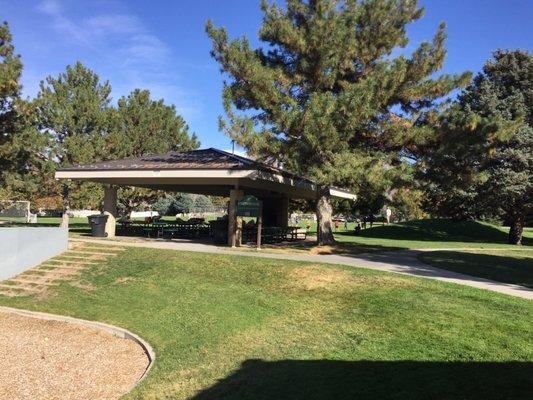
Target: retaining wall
(24, 248)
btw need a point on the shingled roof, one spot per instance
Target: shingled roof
(211, 158)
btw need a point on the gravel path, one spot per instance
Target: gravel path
(49, 360)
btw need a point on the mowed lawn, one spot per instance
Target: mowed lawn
(435, 234)
(509, 266)
(479, 249)
(230, 327)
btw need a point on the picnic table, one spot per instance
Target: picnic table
(160, 228)
(274, 234)
(186, 229)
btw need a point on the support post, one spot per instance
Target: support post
(66, 207)
(110, 209)
(234, 196)
(283, 218)
(259, 225)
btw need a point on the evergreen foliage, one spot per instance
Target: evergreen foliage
(318, 96)
(480, 163)
(203, 204)
(143, 126)
(73, 109)
(183, 203)
(23, 161)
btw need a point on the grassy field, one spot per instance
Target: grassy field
(229, 327)
(421, 234)
(509, 266)
(434, 233)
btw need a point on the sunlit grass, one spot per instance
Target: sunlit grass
(370, 333)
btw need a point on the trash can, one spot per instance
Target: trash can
(97, 222)
(219, 231)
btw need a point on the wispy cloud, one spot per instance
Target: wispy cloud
(144, 48)
(124, 43)
(113, 24)
(50, 7)
(62, 24)
(136, 43)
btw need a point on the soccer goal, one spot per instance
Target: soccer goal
(15, 211)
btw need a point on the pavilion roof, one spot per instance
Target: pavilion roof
(205, 159)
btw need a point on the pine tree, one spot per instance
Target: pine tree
(23, 158)
(141, 126)
(10, 71)
(318, 96)
(504, 91)
(480, 163)
(452, 162)
(144, 126)
(202, 204)
(73, 109)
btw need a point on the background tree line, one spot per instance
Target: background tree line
(326, 95)
(72, 120)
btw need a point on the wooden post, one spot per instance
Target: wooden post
(259, 225)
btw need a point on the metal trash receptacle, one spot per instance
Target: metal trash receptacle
(97, 222)
(219, 231)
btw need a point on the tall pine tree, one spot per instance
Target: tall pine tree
(73, 109)
(319, 96)
(141, 126)
(480, 163)
(504, 92)
(23, 149)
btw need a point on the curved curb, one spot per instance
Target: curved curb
(113, 330)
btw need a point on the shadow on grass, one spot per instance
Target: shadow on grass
(328, 379)
(439, 230)
(517, 270)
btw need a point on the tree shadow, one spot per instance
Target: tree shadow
(516, 270)
(439, 230)
(339, 380)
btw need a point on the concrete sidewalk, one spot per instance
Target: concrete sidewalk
(402, 261)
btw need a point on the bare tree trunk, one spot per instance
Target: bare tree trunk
(324, 213)
(516, 229)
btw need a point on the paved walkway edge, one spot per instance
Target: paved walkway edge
(113, 330)
(402, 261)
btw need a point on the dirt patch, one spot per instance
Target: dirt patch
(318, 277)
(58, 360)
(315, 277)
(323, 250)
(125, 279)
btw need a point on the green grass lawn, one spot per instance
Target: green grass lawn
(435, 233)
(230, 327)
(509, 266)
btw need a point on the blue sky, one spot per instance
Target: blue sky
(162, 46)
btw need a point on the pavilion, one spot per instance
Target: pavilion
(207, 171)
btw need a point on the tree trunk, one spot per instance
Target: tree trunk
(516, 229)
(323, 213)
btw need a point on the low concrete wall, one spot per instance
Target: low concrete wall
(24, 248)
